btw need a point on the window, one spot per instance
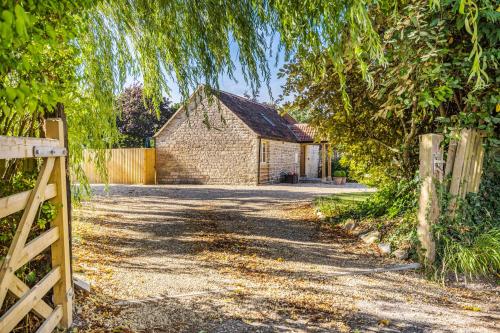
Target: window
(264, 151)
(267, 119)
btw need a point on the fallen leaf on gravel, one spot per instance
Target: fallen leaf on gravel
(471, 308)
(384, 322)
(152, 241)
(121, 330)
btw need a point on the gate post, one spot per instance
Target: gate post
(431, 170)
(63, 290)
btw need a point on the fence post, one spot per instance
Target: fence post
(323, 162)
(63, 290)
(329, 163)
(431, 170)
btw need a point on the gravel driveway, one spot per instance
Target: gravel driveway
(249, 259)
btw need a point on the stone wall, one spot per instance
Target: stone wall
(190, 152)
(284, 157)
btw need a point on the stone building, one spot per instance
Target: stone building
(228, 139)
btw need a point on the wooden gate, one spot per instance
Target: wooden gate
(50, 185)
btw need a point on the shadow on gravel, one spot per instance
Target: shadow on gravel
(281, 262)
(178, 232)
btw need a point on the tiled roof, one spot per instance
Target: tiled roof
(303, 132)
(263, 119)
(289, 119)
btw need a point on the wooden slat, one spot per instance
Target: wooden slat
(124, 166)
(36, 246)
(479, 170)
(475, 164)
(16, 202)
(17, 312)
(458, 165)
(467, 164)
(150, 168)
(19, 289)
(52, 321)
(21, 147)
(450, 158)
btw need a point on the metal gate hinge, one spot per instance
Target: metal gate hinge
(44, 151)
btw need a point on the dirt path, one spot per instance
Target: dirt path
(249, 259)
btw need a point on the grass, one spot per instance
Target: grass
(467, 243)
(339, 207)
(374, 211)
(479, 255)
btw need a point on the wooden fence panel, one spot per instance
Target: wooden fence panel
(468, 166)
(124, 166)
(464, 164)
(50, 185)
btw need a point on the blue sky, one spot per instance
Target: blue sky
(238, 86)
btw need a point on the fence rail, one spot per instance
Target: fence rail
(124, 166)
(50, 185)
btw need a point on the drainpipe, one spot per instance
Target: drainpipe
(258, 161)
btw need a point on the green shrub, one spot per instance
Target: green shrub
(22, 181)
(392, 200)
(474, 255)
(469, 242)
(339, 173)
(392, 210)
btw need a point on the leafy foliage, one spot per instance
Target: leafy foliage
(469, 242)
(391, 210)
(138, 119)
(23, 181)
(339, 173)
(42, 77)
(424, 87)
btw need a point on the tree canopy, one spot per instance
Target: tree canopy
(76, 55)
(424, 86)
(139, 120)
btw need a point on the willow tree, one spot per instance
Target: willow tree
(76, 55)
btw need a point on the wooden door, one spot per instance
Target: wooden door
(303, 160)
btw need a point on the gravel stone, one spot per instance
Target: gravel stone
(248, 259)
(370, 237)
